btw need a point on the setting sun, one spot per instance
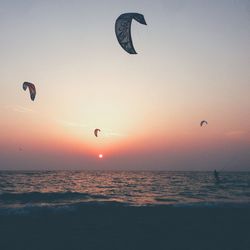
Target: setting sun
(100, 156)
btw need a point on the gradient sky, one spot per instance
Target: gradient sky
(192, 64)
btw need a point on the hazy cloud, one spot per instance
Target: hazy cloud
(20, 109)
(71, 124)
(237, 134)
(112, 134)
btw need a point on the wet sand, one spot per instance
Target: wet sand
(128, 228)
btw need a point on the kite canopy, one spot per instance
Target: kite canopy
(203, 122)
(96, 131)
(32, 89)
(123, 30)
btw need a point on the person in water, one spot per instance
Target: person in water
(216, 176)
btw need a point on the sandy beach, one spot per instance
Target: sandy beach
(95, 227)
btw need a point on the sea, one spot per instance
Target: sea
(26, 191)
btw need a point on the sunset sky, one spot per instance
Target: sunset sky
(192, 64)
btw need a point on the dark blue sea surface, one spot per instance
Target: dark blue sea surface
(22, 191)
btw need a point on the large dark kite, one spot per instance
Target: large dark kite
(123, 30)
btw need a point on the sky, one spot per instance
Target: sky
(192, 64)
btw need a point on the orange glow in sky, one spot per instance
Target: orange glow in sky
(189, 67)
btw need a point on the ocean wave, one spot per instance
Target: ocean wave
(222, 204)
(22, 189)
(48, 197)
(38, 210)
(166, 200)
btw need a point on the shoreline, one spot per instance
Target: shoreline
(110, 227)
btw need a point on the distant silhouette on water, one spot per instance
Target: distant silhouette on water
(216, 176)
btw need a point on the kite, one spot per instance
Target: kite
(123, 30)
(32, 89)
(203, 122)
(96, 131)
